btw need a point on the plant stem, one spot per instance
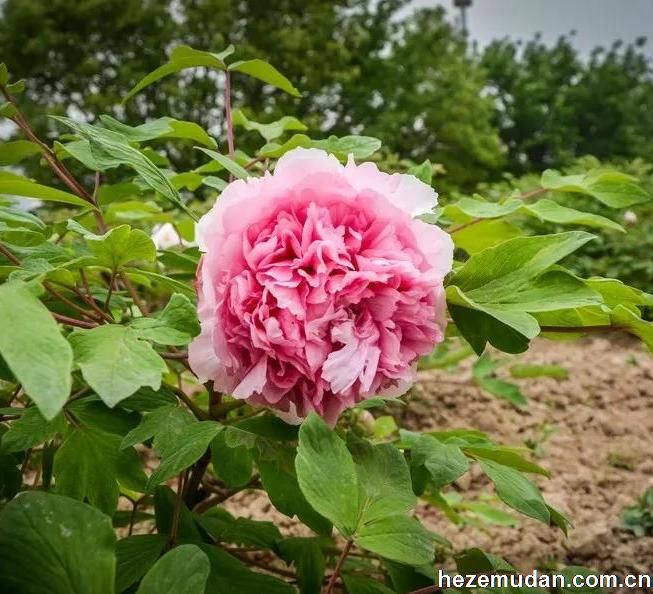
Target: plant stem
(174, 527)
(338, 568)
(195, 480)
(107, 301)
(140, 304)
(227, 113)
(57, 166)
(80, 310)
(73, 321)
(427, 590)
(7, 254)
(215, 399)
(196, 410)
(174, 356)
(132, 516)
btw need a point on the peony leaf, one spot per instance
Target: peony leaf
(183, 570)
(50, 543)
(34, 349)
(115, 362)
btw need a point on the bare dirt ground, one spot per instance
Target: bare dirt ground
(595, 434)
(594, 431)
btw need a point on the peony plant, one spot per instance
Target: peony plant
(170, 339)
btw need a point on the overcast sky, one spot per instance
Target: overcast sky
(596, 22)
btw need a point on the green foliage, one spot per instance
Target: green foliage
(36, 338)
(183, 570)
(638, 518)
(555, 105)
(115, 362)
(100, 403)
(33, 528)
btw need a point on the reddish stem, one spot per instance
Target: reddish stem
(73, 321)
(339, 564)
(227, 113)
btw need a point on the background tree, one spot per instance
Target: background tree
(553, 107)
(404, 76)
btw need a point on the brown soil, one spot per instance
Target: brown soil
(594, 431)
(599, 424)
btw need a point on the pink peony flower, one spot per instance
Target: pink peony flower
(317, 289)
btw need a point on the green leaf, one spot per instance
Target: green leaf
(161, 128)
(117, 246)
(16, 88)
(496, 272)
(135, 555)
(273, 150)
(516, 491)
(519, 321)
(8, 110)
(612, 188)
(223, 527)
(111, 149)
(27, 189)
(398, 538)
(548, 210)
(166, 424)
(176, 324)
(423, 172)
(306, 555)
(405, 578)
(229, 164)
(192, 443)
(31, 429)
(19, 217)
(181, 58)
(231, 576)
(233, 464)
(478, 328)
(268, 131)
(265, 72)
(510, 392)
(622, 316)
(559, 519)
(383, 477)
(544, 210)
(115, 362)
(360, 147)
(474, 561)
(276, 465)
(12, 153)
(54, 544)
(530, 370)
(439, 463)
(4, 74)
(327, 475)
(183, 570)
(167, 282)
(358, 584)
(506, 457)
(486, 234)
(502, 282)
(614, 292)
(489, 514)
(480, 209)
(90, 465)
(169, 513)
(35, 351)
